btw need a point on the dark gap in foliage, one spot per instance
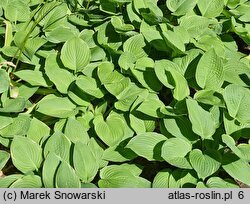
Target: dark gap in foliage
(165, 95)
(242, 46)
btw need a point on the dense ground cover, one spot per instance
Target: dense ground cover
(124, 93)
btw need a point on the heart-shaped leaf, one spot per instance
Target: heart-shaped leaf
(107, 131)
(147, 145)
(75, 54)
(237, 101)
(205, 164)
(25, 154)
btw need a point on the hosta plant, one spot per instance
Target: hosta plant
(124, 93)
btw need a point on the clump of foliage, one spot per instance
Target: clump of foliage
(124, 93)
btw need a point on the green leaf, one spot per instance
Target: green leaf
(180, 162)
(8, 34)
(153, 36)
(236, 167)
(141, 5)
(60, 34)
(237, 72)
(195, 25)
(140, 124)
(5, 120)
(245, 151)
(202, 121)
(161, 180)
(128, 96)
(75, 54)
(169, 148)
(229, 141)
(5, 81)
(115, 176)
(89, 85)
(169, 154)
(85, 162)
(29, 181)
(207, 42)
(145, 74)
(119, 153)
(75, 131)
(180, 127)
(147, 145)
(52, 14)
(175, 42)
(181, 7)
(13, 105)
(151, 106)
(168, 74)
(237, 102)
(60, 107)
(211, 8)
(31, 46)
(208, 97)
(17, 11)
(217, 182)
(11, 51)
(209, 73)
(59, 144)
(107, 130)
(56, 72)
(35, 78)
(37, 130)
(120, 26)
(107, 36)
(126, 60)
(26, 91)
(98, 151)
(19, 127)
(4, 157)
(50, 167)
(205, 163)
(135, 46)
(66, 177)
(78, 96)
(133, 15)
(182, 179)
(6, 181)
(26, 155)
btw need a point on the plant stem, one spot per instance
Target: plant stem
(87, 7)
(35, 23)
